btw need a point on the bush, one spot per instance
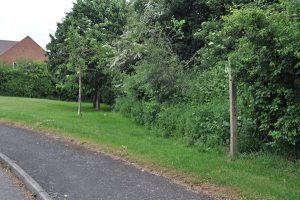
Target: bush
(266, 61)
(142, 112)
(199, 124)
(259, 41)
(28, 79)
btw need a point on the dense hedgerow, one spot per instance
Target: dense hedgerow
(205, 124)
(266, 60)
(259, 40)
(28, 79)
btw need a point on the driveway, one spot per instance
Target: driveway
(69, 172)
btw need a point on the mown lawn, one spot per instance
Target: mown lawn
(252, 176)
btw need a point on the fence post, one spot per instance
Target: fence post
(233, 113)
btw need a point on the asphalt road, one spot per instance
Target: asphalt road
(69, 172)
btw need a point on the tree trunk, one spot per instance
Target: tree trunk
(233, 115)
(79, 92)
(98, 99)
(94, 101)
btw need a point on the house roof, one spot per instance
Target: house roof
(5, 45)
(26, 49)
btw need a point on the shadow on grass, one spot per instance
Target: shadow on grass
(89, 108)
(86, 107)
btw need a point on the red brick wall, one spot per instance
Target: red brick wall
(27, 49)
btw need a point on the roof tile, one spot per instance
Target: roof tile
(5, 45)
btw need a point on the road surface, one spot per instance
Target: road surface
(69, 172)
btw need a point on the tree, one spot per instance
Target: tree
(103, 22)
(78, 49)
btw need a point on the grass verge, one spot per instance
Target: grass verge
(258, 176)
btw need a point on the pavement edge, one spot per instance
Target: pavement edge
(30, 183)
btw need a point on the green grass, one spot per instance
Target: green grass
(253, 176)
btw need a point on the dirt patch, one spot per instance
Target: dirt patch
(189, 181)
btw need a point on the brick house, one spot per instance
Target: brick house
(26, 49)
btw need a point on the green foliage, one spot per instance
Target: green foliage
(266, 60)
(202, 125)
(176, 60)
(28, 79)
(142, 112)
(165, 63)
(82, 42)
(205, 124)
(161, 92)
(194, 13)
(206, 85)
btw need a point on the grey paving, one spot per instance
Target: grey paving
(8, 191)
(69, 172)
